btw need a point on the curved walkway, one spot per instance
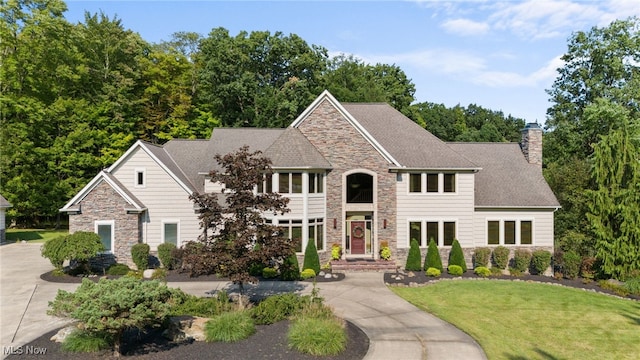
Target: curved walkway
(396, 329)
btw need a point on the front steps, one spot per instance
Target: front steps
(371, 265)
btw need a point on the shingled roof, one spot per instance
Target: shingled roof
(189, 156)
(506, 178)
(293, 150)
(408, 143)
(4, 203)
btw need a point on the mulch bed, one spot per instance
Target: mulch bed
(173, 276)
(420, 278)
(269, 342)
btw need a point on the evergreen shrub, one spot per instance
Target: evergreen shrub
(433, 272)
(290, 268)
(278, 307)
(481, 257)
(118, 269)
(482, 271)
(140, 255)
(165, 251)
(501, 257)
(456, 256)
(414, 257)
(521, 260)
(432, 259)
(311, 259)
(571, 264)
(455, 270)
(540, 261)
(269, 273)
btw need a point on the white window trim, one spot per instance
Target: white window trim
(423, 184)
(518, 240)
(171, 221)
(142, 171)
(112, 223)
(423, 230)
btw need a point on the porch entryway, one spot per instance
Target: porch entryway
(359, 234)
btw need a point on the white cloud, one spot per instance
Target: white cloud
(544, 75)
(465, 27)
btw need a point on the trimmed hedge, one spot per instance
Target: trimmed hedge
(456, 256)
(521, 260)
(311, 259)
(165, 251)
(432, 259)
(481, 257)
(455, 270)
(290, 268)
(140, 255)
(501, 257)
(414, 257)
(433, 272)
(540, 261)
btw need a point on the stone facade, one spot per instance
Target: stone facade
(532, 143)
(347, 150)
(103, 203)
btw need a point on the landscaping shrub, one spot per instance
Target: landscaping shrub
(540, 261)
(290, 270)
(481, 257)
(54, 250)
(433, 272)
(230, 327)
(632, 285)
(278, 307)
(521, 260)
(432, 259)
(385, 251)
(307, 274)
(186, 304)
(85, 341)
(311, 259)
(455, 270)
(414, 257)
(140, 255)
(269, 273)
(501, 257)
(571, 264)
(165, 251)
(616, 289)
(118, 269)
(336, 252)
(80, 246)
(456, 256)
(587, 268)
(159, 274)
(112, 306)
(318, 336)
(495, 271)
(482, 271)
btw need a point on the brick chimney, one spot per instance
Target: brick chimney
(531, 143)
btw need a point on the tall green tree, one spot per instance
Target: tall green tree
(615, 203)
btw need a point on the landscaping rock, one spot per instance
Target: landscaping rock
(328, 276)
(185, 328)
(148, 274)
(62, 334)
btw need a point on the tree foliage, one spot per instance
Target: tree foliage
(80, 246)
(615, 203)
(113, 306)
(414, 258)
(432, 259)
(232, 231)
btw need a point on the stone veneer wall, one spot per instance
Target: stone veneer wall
(342, 145)
(531, 143)
(104, 203)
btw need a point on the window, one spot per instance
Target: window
(283, 183)
(432, 182)
(315, 183)
(449, 232)
(441, 232)
(316, 233)
(415, 232)
(526, 233)
(266, 185)
(104, 229)
(296, 183)
(140, 178)
(449, 182)
(170, 233)
(415, 183)
(510, 232)
(432, 231)
(292, 229)
(493, 232)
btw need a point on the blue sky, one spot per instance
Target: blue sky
(499, 55)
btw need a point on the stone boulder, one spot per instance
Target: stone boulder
(185, 328)
(62, 334)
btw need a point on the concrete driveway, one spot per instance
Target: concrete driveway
(24, 297)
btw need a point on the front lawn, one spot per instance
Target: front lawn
(34, 235)
(520, 320)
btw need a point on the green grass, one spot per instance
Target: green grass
(230, 327)
(81, 341)
(317, 336)
(518, 320)
(34, 235)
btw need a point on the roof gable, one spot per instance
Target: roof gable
(292, 150)
(104, 176)
(326, 96)
(4, 203)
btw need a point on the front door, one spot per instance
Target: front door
(358, 234)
